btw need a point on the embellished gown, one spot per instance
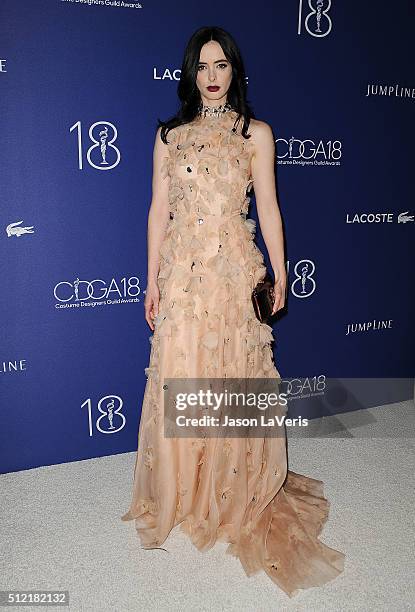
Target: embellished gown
(236, 490)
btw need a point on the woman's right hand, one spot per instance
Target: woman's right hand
(151, 304)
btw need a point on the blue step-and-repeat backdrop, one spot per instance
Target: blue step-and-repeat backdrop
(82, 85)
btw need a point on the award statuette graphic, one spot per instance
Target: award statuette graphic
(103, 135)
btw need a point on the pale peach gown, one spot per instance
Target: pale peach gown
(237, 490)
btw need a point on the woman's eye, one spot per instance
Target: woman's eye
(222, 66)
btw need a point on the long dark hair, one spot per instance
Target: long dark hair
(188, 92)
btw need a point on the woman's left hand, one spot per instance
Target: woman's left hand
(279, 290)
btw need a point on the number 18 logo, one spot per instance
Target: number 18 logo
(317, 22)
(103, 138)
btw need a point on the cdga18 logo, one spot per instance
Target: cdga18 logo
(97, 289)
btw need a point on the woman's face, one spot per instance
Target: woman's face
(214, 74)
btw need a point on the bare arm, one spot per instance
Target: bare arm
(263, 174)
(158, 215)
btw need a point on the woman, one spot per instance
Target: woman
(202, 267)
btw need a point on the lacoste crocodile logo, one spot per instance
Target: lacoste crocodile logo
(13, 230)
(404, 217)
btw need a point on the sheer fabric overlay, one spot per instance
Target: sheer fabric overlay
(236, 490)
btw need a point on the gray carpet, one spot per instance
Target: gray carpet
(61, 529)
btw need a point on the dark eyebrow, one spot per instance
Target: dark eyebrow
(216, 62)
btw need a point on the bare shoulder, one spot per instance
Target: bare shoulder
(171, 137)
(262, 134)
(159, 140)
